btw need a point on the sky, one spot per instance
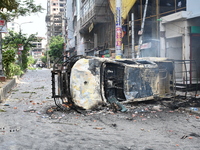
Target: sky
(38, 24)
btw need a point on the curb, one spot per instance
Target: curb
(7, 88)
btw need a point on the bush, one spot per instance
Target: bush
(10, 68)
(31, 61)
(8, 59)
(15, 70)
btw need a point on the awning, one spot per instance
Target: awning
(126, 6)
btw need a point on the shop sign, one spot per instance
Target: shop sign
(91, 27)
(3, 27)
(20, 47)
(118, 36)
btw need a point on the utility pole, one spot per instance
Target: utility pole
(118, 31)
(132, 36)
(3, 29)
(1, 61)
(142, 28)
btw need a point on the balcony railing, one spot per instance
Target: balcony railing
(93, 11)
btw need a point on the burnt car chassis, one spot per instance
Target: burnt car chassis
(60, 81)
(83, 82)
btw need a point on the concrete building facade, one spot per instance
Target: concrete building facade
(171, 29)
(180, 40)
(38, 50)
(91, 22)
(55, 18)
(91, 26)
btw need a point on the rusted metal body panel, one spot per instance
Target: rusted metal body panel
(141, 82)
(92, 81)
(166, 77)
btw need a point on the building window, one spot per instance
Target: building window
(88, 5)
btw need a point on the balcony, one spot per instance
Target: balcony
(57, 26)
(57, 20)
(95, 12)
(47, 18)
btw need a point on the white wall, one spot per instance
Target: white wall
(80, 40)
(78, 5)
(174, 29)
(70, 32)
(174, 48)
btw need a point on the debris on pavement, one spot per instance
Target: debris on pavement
(2, 110)
(98, 128)
(194, 135)
(194, 109)
(102, 125)
(184, 137)
(30, 110)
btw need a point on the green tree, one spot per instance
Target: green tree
(31, 60)
(56, 47)
(44, 59)
(12, 41)
(8, 59)
(10, 9)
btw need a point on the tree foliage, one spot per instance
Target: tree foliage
(56, 47)
(8, 59)
(12, 41)
(44, 59)
(31, 60)
(10, 9)
(9, 5)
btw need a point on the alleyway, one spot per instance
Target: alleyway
(31, 122)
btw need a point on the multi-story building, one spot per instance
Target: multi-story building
(179, 40)
(91, 21)
(96, 26)
(55, 18)
(93, 25)
(171, 29)
(38, 50)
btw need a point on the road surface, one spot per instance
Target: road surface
(30, 121)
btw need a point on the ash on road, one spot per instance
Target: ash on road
(30, 121)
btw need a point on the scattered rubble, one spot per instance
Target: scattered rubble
(2, 110)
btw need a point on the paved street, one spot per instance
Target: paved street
(31, 122)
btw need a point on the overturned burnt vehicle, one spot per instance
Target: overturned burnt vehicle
(86, 82)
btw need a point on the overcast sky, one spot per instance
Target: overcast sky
(38, 24)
